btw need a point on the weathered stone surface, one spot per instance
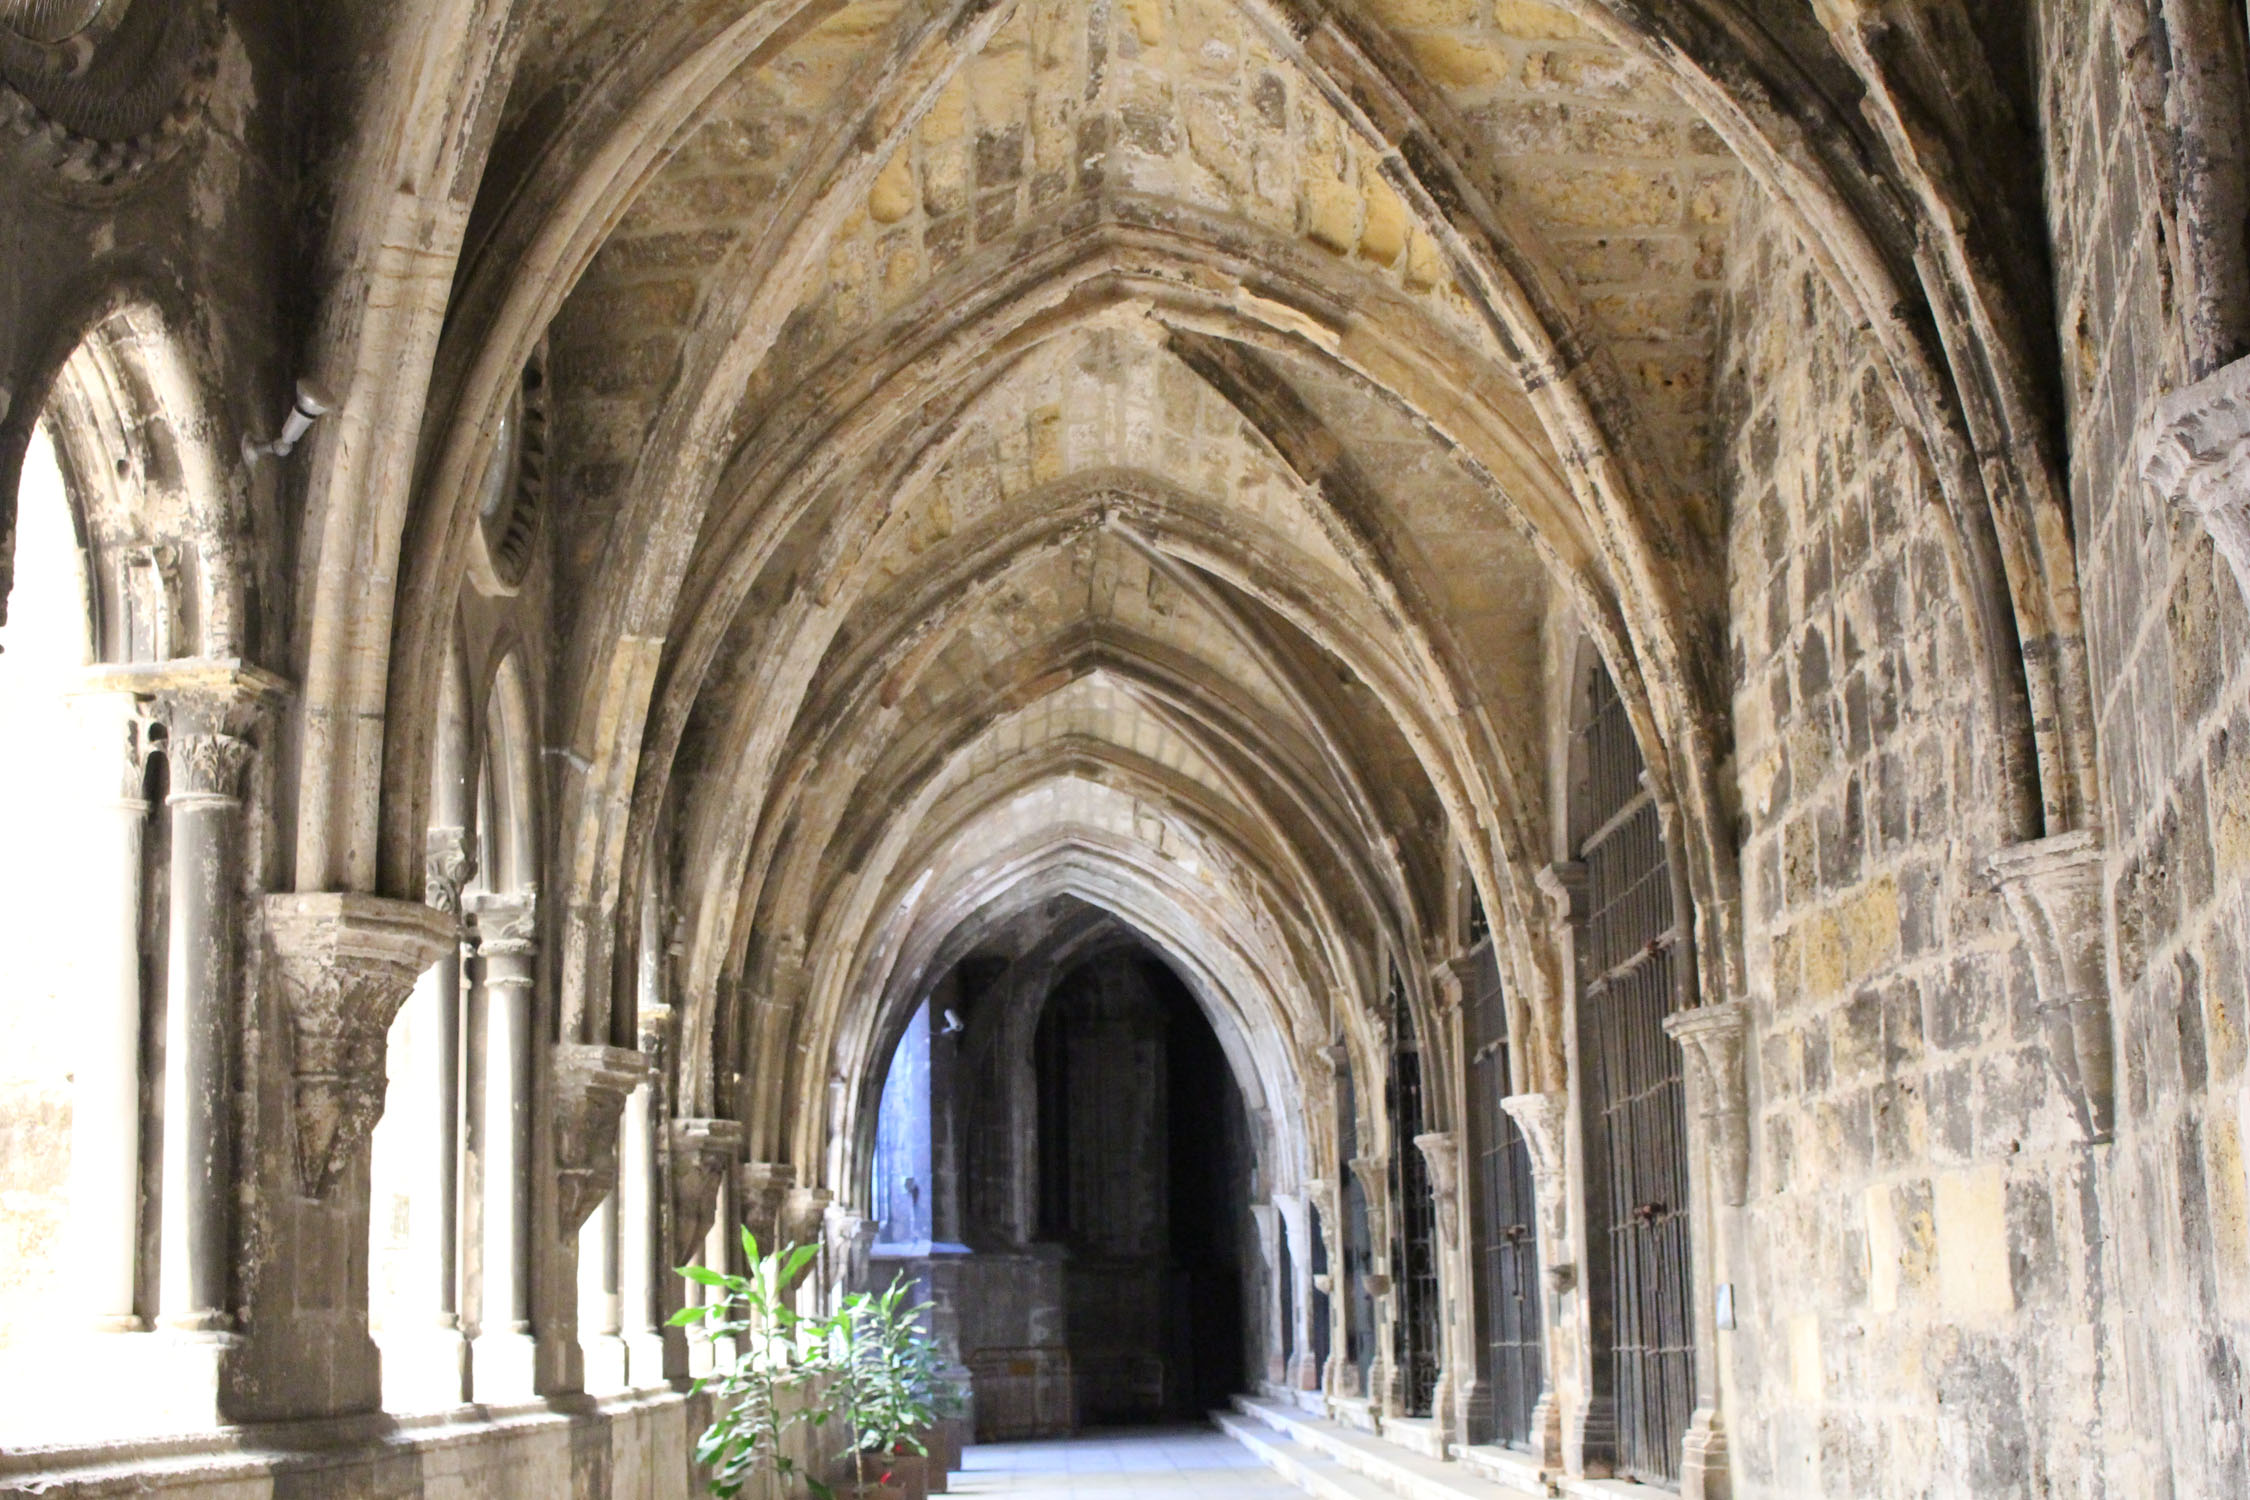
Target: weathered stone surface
(343, 965)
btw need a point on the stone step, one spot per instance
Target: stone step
(1317, 1475)
(1394, 1472)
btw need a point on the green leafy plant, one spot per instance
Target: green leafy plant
(772, 1380)
(890, 1386)
(869, 1367)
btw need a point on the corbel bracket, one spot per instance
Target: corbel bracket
(1712, 1038)
(2195, 452)
(2053, 888)
(702, 1150)
(591, 1083)
(343, 964)
(1541, 1118)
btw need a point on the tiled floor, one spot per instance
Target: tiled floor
(1182, 1463)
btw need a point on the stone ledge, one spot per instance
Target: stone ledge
(223, 1460)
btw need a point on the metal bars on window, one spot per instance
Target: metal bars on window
(1359, 1237)
(1510, 1341)
(1640, 1281)
(1417, 1333)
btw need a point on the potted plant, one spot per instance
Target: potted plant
(942, 1395)
(881, 1389)
(772, 1381)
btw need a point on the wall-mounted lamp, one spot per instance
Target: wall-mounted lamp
(312, 402)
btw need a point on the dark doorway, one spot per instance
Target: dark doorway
(1144, 1180)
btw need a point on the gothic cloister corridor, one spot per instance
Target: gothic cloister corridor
(1506, 742)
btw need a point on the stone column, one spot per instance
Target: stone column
(592, 1083)
(1588, 1443)
(1329, 1200)
(452, 861)
(503, 1354)
(638, 1265)
(105, 1135)
(206, 803)
(702, 1153)
(1713, 1040)
(1265, 1218)
(1442, 1153)
(1303, 1373)
(601, 1306)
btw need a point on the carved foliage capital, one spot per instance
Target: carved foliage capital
(450, 861)
(2196, 453)
(1713, 1039)
(2053, 887)
(702, 1150)
(208, 764)
(343, 963)
(1540, 1117)
(506, 922)
(591, 1083)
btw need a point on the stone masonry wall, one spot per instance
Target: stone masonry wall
(2167, 633)
(1912, 1266)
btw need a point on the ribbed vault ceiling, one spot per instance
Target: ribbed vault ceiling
(1144, 453)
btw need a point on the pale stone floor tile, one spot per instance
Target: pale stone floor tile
(1177, 1463)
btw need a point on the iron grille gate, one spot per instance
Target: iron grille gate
(1359, 1238)
(1415, 1337)
(1635, 1108)
(1506, 1245)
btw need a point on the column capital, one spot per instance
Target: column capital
(505, 922)
(1714, 1039)
(2053, 888)
(449, 863)
(208, 765)
(702, 1150)
(591, 1082)
(2195, 452)
(344, 963)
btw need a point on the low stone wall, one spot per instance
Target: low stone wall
(632, 1448)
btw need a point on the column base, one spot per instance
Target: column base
(1590, 1439)
(503, 1367)
(608, 1364)
(1704, 1474)
(1546, 1431)
(150, 1385)
(424, 1370)
(644, 1359)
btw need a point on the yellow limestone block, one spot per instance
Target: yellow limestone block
(1384, 235)
(1972, 1251)
(892, 197)
(1148, 21)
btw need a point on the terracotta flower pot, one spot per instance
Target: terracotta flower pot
(910, 1473)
